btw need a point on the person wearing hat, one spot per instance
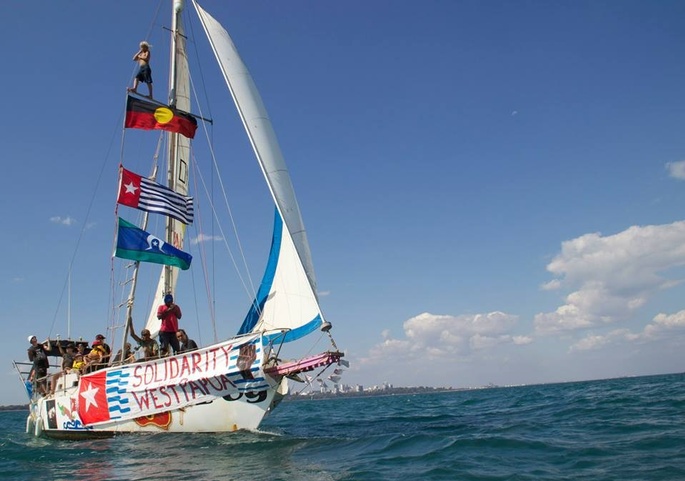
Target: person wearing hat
(149, 345)
(169, 313)
(105, 346)
(67, 363)
(95, 358)
(38, 355)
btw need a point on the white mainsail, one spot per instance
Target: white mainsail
(287, 298)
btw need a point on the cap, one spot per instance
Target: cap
(168, 298)
(100, 336)
(31, 337)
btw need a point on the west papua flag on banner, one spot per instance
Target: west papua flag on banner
(144, 194)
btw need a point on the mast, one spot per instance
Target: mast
(178, 155)
(175, 22)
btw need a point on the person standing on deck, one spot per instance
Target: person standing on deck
(169, 313)
(39, 356)
(144, 72)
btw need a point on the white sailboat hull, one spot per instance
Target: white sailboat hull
(56, 416)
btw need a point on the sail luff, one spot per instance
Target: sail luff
(178, 155)
(261, 134)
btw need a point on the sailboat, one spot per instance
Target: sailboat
(230, 384)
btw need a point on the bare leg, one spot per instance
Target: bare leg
(149, 88)
(135, 86)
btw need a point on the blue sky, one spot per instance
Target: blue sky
(493, 191)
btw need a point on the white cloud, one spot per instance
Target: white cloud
(521, 340)
(676, 169)
(610, 277)
(63, 220)
(662, 326)
(205, 238)
(432, 337)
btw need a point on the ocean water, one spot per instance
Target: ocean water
(618, 429)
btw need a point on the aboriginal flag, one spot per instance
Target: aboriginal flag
(142, 114)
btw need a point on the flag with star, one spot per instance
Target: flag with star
(137, 245)
(144, 194)
(92, 399)
(146, 115)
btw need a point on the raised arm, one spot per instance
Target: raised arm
(133, 331)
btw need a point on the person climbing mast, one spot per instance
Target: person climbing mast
(144, 72)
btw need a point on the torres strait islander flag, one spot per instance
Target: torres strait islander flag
(137, 245)
(146, 115)
(144, 194)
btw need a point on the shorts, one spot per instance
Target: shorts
(144, 74)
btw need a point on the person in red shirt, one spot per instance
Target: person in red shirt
(169, 313)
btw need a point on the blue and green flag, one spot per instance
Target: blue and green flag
(136, 244)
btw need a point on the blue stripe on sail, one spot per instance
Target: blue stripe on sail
(267, 280)
(297, 333)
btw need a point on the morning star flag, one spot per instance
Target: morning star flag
(136, 244)
(144, 194)
(142, 114)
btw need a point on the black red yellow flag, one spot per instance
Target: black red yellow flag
(142, 114)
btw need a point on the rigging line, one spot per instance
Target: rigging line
(190, 38)
(203, 255)
(253, 292)
(197, 308)
(86, 225)
(224, 238)
(250, 290)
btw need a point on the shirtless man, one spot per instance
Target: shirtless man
(144, 72)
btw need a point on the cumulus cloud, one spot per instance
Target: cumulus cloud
(63, 220)
(205, 238)
(662, 326)
(676, 169)
(611, 276)
(433, 337)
